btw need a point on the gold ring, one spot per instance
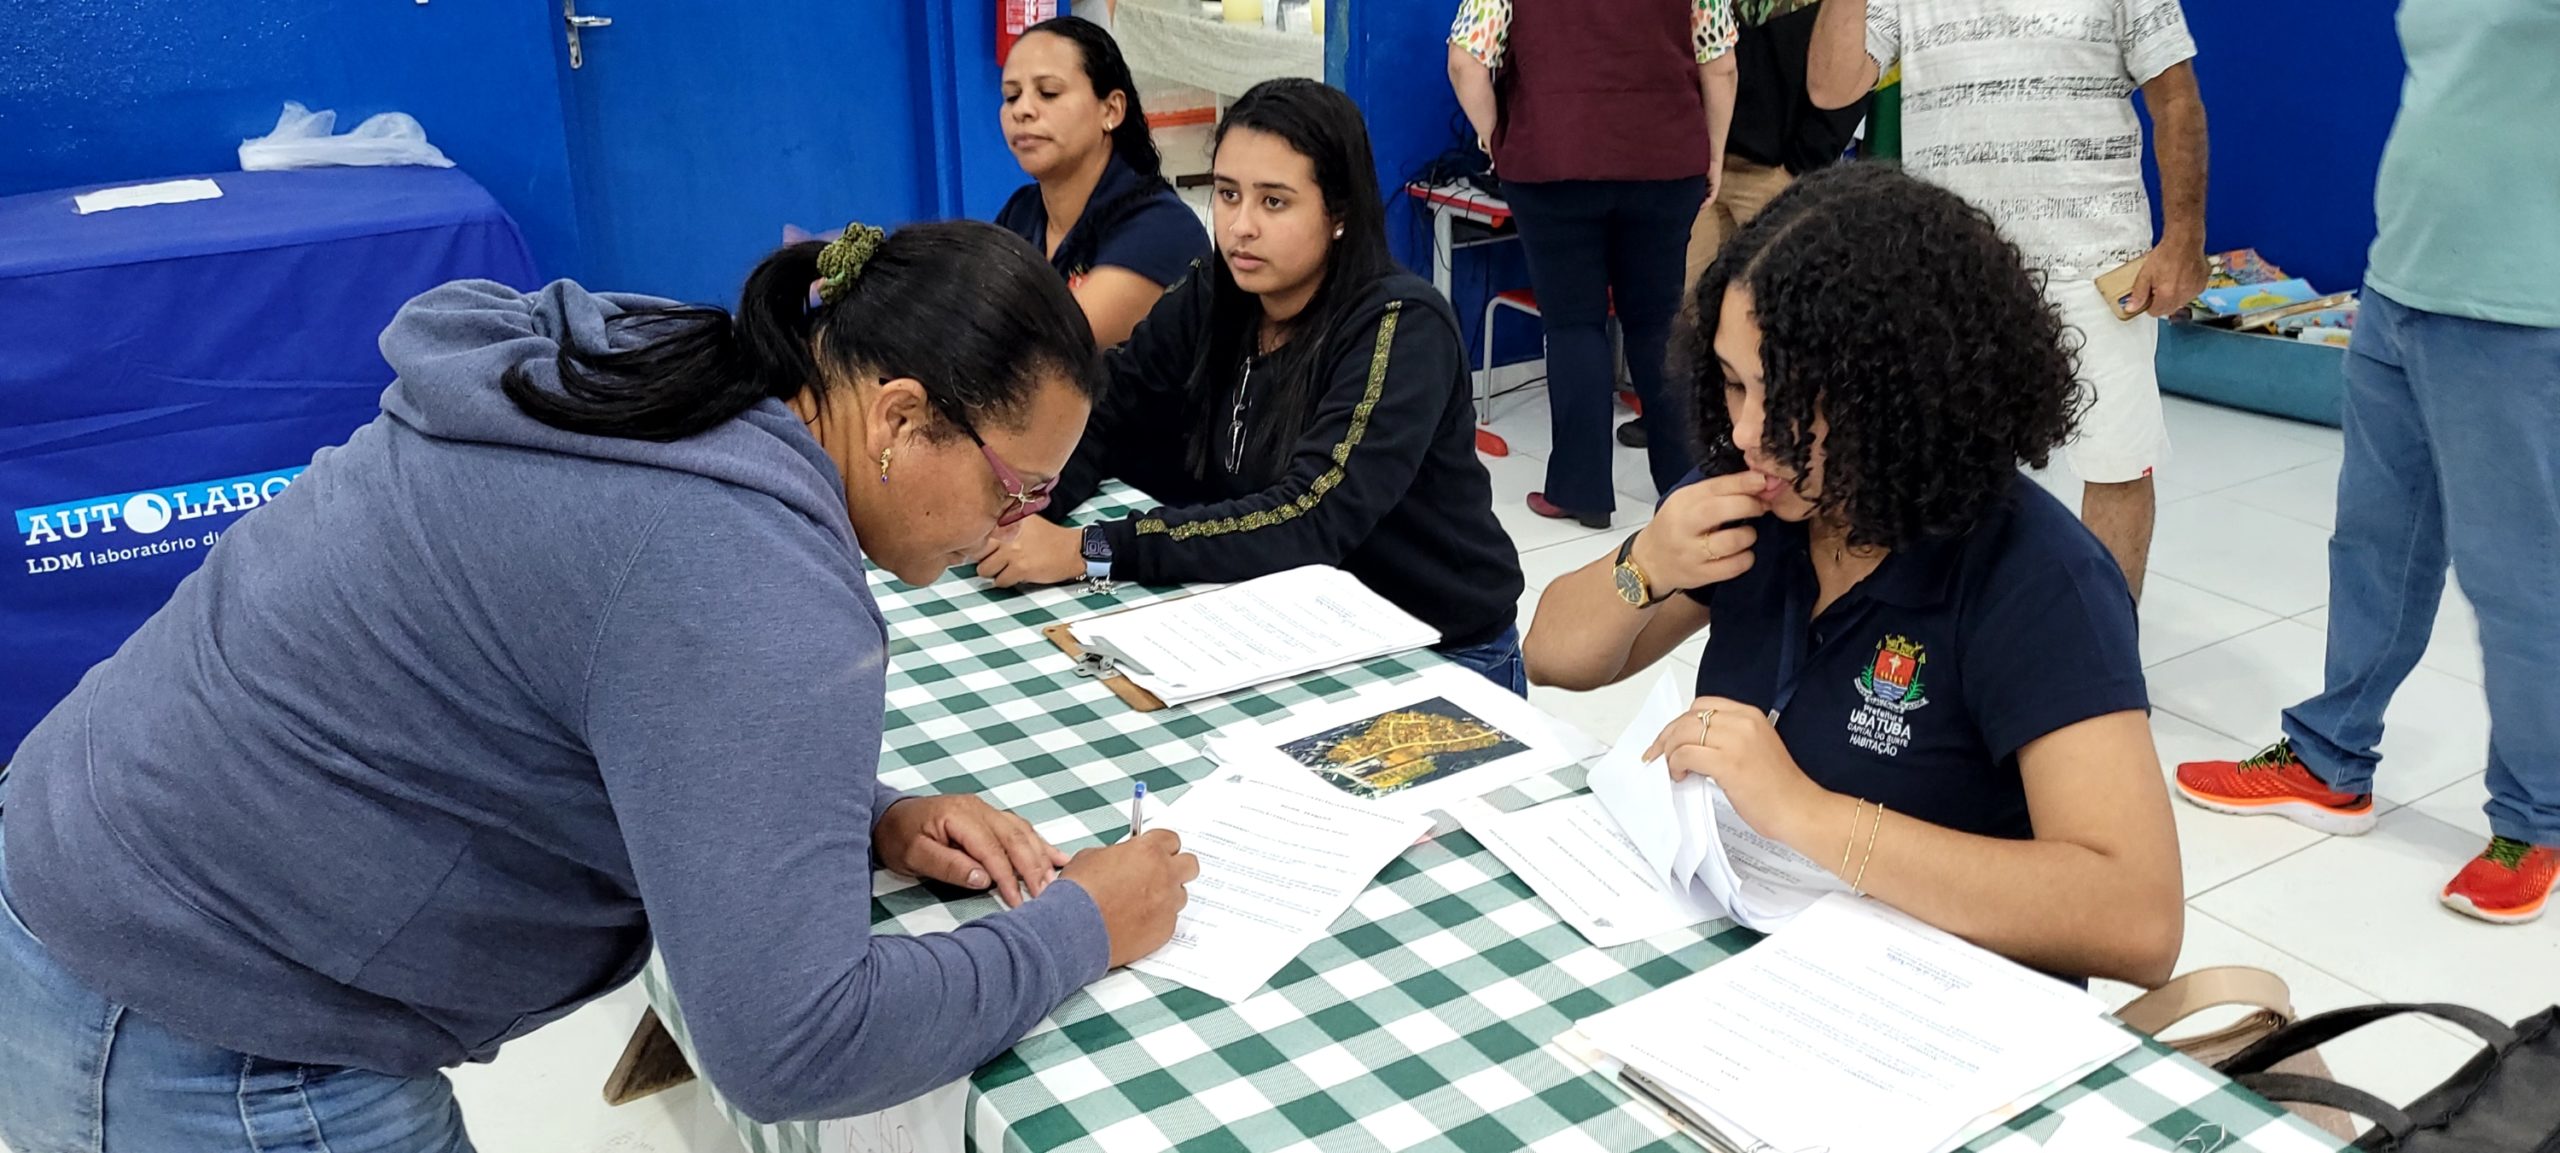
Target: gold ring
(1706, 717)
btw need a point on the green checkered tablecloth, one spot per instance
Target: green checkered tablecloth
(1423, 1021)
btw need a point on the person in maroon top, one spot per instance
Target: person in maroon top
(1606, 122)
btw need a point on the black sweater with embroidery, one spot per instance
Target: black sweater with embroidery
(1383, 481)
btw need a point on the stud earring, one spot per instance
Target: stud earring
(1337, 233)
(884, 466)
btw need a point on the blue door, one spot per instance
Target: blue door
(696, 131)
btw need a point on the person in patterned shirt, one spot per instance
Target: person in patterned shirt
(1606, 120)
(2020, 107)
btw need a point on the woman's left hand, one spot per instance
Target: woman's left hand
(1036, 553)
(1740, 750)
(964, 841)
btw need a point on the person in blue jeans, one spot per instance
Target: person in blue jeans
(1606, 120)
(448, 738)
(2452, 456)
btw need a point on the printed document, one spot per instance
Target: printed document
(1579, 861)
(1692, 847)
(1412, 746)
(1857, 1027)
(1281, 857)
(1266, 629)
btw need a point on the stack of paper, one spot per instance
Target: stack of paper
(1644, 854)
(1266, 629)
(1855, 1028)
(1280, 859)
(1412, 746)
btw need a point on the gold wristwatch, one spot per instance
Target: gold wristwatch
(1633, 588)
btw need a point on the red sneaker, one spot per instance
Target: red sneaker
(2508, 883)
(2275, 781)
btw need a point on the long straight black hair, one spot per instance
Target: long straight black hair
(1108, 72)
(965, 308)
(1323, 125)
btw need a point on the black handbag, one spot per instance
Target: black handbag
(2505, 1100)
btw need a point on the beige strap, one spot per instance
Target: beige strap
(2193, 993)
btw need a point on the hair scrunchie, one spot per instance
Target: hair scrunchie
(840, 263)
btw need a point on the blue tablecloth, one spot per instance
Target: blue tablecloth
(164, 369)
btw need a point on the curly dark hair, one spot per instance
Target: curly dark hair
(1895, 311)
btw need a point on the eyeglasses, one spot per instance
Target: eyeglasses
(1020, 501)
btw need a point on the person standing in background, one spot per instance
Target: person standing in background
(2452, 416)
(1098, 206)
(1606, 120)
(1778, 134)
(2020, 107)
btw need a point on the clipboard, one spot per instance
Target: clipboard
(1099, 667)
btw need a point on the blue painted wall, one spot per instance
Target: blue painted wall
(986, 171)
(110, 90)
(2298, 99)
(1391, 56)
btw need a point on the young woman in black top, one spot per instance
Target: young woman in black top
(1098, 206)
(1300, 400)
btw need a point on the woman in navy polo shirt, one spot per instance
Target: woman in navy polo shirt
(1097, 206)
(1960, 718)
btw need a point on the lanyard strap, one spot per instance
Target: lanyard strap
(1791, 650)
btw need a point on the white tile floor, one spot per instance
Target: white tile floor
(2232, 633)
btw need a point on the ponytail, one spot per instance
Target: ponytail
(695, 367)
(965, 308)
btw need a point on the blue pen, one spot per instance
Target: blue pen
(1138, 810)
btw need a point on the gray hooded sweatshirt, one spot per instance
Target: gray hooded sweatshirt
(435, 745)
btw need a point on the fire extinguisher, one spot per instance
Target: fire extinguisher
(1013, 17)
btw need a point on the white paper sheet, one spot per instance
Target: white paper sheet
(1193, 647)
(1576, 859)
(1858, 1028)
(1697, 848)
(1413, 746)
(933, 1123)
(1761, 880)
(1637, 792)
(139, 195)
(1279, 862)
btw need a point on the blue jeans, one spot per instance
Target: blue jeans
(1497, 660)
(1594, 245)
(82, 1074)
(2453, 455)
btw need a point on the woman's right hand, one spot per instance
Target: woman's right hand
(1688, 545)
(1138, 884)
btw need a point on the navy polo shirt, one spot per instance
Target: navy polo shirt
(1130, 222)
(1917, 688)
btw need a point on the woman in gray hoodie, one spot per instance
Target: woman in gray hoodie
(567, 653)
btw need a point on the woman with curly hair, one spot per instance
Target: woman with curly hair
(1923, 670)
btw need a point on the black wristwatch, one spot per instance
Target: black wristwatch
(1633, 588)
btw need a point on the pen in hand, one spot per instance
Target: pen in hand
(1138, 810)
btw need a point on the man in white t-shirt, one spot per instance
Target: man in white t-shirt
(2022, 107)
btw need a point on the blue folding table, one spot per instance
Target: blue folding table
(165, 369)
